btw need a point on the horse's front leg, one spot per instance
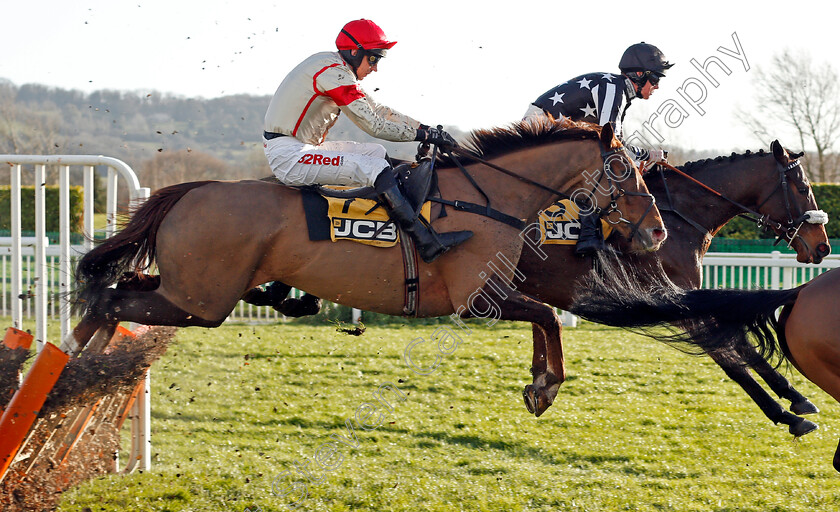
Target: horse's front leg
(547, 365)
(735, 370)
(777, 382)
(548, 369)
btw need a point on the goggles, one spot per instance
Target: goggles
(653, 77)
(373, 59)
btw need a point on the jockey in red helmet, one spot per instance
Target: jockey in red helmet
(307, 104)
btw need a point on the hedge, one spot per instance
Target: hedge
(27, 215)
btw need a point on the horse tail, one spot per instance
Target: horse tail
(694, 321)
(131, 250)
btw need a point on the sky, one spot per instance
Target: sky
(467, 64)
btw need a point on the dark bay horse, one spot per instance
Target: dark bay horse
(771, 185)
(212, 241)
(806, 333)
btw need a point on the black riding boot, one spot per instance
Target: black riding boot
(430, 245)
(590, 239)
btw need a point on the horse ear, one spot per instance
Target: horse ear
(607, 136)
(779, 152)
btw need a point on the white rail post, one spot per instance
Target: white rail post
(40, 256)
(65, 271)
(17, 276)
(774, 270)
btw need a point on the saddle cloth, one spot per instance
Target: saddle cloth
(559, 224)
(357, 220)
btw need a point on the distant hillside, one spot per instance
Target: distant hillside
(134, 126)
(152, 131)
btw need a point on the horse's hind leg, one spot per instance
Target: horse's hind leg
(775, 412)
(119, 305)
(275, 294)
(779, 384)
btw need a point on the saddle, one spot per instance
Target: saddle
(340, 213)
(415, 180)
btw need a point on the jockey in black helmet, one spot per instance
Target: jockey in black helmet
(603, 98)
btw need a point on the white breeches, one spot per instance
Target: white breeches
(331, 163)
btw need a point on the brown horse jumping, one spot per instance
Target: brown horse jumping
(213, 241)
(807, 332)
(770, 186)
(694, 208)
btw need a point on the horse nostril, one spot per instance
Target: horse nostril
(659, 234)
(823, 250)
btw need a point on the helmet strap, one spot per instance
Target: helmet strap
(353, 39)
(638, 81)
(353, 60)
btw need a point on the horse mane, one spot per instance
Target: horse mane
(532, 132)
(703, 163)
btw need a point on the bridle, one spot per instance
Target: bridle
(614, 184)
(611, 213)
(789, 229)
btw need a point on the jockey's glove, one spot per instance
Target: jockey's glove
(657, 155)
(435, 136)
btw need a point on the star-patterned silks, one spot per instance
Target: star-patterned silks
(588, 111)
(593, 97)
(557, 98)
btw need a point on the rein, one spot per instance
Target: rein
(488, 211)
(790, 228)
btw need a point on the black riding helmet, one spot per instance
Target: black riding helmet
(646, 58)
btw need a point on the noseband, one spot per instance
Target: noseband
(790, 229)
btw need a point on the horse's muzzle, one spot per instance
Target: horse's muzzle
(652, 238)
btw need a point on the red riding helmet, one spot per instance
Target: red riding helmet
(363, 35)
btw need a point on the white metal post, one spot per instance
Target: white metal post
(40, 256)
(64, 270)
(774, 271)
(89, 205)
(111, 207)
(17, 276)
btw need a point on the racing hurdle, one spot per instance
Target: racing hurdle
(18, 417)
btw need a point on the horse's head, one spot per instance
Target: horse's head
(628, 195)
(790, 210)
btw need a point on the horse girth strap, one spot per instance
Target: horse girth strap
(412, 275)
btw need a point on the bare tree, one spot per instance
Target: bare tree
(805, 97)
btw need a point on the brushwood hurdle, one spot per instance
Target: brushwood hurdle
(48, 273)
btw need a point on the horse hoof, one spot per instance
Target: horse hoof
(802, 427)
(295, 308)
(536, 400)
(804, 407)
(530, 398)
